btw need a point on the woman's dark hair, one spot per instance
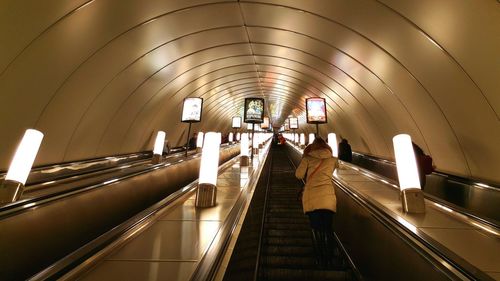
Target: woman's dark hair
(317, 144)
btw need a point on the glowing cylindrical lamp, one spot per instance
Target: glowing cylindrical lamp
(20, 167)
(311, 138)
(409, 183)
(230, 137)
(26, 152)
(302, 140)
(158, 147)
(332, 142)
(244, 150)
(160, 140)
(244, 144)
(209, 166)
(405, 162)
(199, 140)
(238, 136)
(296, 138)
(255, 143)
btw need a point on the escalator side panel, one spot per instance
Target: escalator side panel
(32, 240)
(377, 251)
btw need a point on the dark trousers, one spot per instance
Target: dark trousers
(321, 220)
(322, 237)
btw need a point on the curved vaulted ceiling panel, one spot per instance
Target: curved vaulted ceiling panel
(102, 77)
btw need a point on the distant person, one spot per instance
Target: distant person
(318, 197)
(424, 164)
(193, 140)
(281, 139)
(345, 152)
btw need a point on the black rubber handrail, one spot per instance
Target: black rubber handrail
(458, 179)
(464, 212)
(23, 205)
(438, 256)
(263, 220)
(77, 261)
(84, 161)
(212, 259)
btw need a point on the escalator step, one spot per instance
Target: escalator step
(280, 241)
(288, 251)
(306, 262)
(286, 233)
(289, 274)
(290, 227)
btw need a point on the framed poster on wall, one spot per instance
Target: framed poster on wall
(316, 110)
(191, 110)
(294, 122)
(236, 122)
(254, 110)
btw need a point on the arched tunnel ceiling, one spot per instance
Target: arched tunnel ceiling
(102, 77)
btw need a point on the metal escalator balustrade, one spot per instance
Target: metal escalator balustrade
(65, 222)
(73, 182)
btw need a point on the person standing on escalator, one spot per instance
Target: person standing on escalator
(319, 202)
(345, 152)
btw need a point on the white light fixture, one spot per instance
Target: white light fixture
(412, 198)
(209, 166)
(302, 140)
(158, 147)
(255, 143)
(238, 136)
(236, 122)
(199, 140)
(230, 137)
(296, 138)
(25, 156)
(160, 140)
(20, 167)
(244, 150)
(332, 142)
(406, 163)
(249, 126)
(311, 138)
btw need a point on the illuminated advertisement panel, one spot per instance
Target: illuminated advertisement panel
(254, 110)
(191, 110)
(236, 122)
(294, 122)
(265, 124)
(316, 110)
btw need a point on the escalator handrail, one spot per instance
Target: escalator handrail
(263, 220)
(457, 209)
(77, 261)
(212, 259)
(23, 205)
(79, 162)
(423, 244)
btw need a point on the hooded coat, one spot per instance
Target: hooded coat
(318, 191)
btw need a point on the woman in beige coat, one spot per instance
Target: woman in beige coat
(318, 197)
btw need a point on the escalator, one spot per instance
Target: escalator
(39, 231)
(284, 249)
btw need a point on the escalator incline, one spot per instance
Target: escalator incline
(287, 250)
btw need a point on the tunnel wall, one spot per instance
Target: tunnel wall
(100, 80)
